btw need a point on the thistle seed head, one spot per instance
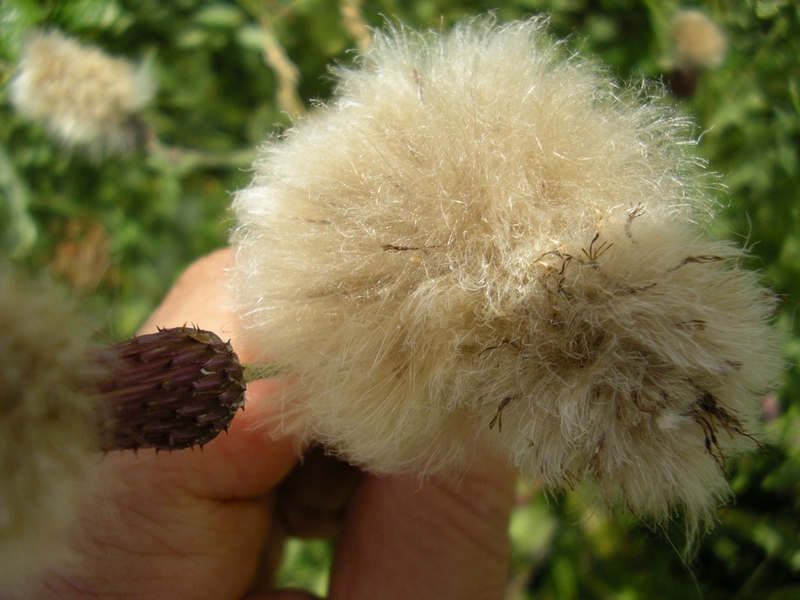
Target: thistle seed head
(483, 242)
(699, 42)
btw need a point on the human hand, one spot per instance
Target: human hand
(210, 524)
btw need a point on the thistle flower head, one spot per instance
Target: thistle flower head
(483, 242)
(83, 96)
(169, 390)
(47, 425)
(699, 41)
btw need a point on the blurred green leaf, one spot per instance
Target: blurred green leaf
(19, 227)
(223, 16)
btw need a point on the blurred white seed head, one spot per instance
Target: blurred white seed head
(481, 242)
(84, 97)
(699, 42)
(47, 427)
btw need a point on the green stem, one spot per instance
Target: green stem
(256, 371)
(185, 160)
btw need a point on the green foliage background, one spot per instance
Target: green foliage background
(117, 232)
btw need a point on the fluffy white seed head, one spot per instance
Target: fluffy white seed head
(699, 41)
(84, 97)
(47, 427)
(480, 230)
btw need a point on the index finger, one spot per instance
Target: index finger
(250, 458)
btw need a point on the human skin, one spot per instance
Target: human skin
(210, 524)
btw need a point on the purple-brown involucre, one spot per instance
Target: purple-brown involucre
(169, 390)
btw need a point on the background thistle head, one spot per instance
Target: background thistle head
(84, 97)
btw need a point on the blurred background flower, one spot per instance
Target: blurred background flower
(48, 436)
(699, 42)
(84, 97)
